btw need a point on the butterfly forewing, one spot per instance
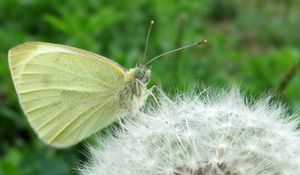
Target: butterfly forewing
(66, 93)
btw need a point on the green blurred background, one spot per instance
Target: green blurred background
(252, 44)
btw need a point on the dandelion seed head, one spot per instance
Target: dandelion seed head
(221, 134)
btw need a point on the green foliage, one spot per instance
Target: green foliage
(254, 44)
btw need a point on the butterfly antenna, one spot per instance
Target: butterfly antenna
(147, 39)
(178, 49)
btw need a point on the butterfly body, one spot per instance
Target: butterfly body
(134, 94)
(67, 94)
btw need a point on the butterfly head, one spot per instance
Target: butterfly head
(142, 73)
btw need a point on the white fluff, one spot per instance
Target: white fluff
(201, 135)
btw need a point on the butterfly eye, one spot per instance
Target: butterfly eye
(139, 73)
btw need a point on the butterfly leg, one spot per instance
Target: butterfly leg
(138, 85)
(141, 89)
(150, 92)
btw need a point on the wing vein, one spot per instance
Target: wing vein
(39, 107)
(61, 89)
(76, 118)
(51, 119)
(72, 73)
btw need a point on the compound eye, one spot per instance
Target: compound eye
(139, 74)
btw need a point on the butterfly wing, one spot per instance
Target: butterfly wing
(66, 93)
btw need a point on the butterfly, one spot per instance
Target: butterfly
(68, 94)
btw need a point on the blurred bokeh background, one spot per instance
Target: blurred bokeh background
(252, 44)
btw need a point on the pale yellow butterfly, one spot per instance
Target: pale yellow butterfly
(67, 94)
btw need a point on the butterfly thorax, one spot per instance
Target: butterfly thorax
(135, 92)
